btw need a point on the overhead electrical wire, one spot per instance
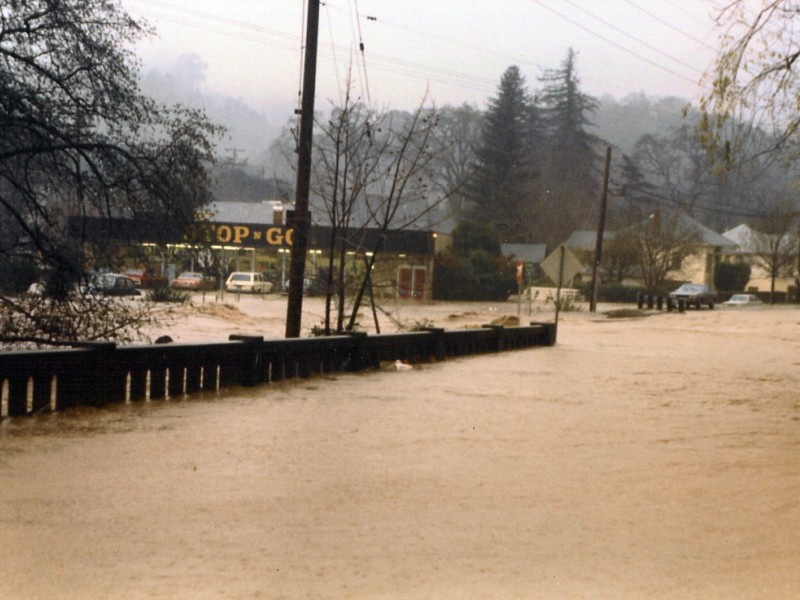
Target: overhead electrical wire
(632, 37)
(670, 25)
(483, 50)
(361, 52)
(613, 43)
(333, 54)
(263, 35)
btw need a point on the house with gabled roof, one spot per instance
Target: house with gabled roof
(697, 268)
(749, 244)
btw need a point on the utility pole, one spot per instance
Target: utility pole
(234, 154)
(598, 248)
(300, 219)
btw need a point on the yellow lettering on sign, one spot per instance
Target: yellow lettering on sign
(274, 236)
(289, 233)
(224, 234)
(239, 232)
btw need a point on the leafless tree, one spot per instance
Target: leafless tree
(372, 175)
(77, 139)
(662, 243)
(772, 240)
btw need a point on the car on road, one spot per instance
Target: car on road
(247, 282)
(190, 280)
(743, 300)
(694, 294)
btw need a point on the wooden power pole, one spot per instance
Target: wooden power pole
(300, 220)
(598, 248)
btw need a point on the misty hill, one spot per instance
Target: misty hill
(249, 132)
(623, 122)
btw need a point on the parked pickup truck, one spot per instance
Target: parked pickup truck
(694, 294)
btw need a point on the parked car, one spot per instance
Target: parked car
(135, 275)
(743, 300)
(113, 284)
(248, 281)
(190, 280)
(695, 294)
(307, 285)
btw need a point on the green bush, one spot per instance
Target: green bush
(612, 292)
(731, 277)
(17, 274)
(162, 292)
(475, 277)
(475, 268)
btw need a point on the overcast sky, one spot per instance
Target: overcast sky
(457, 50)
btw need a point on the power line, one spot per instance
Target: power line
(613, 43)
(361, 52)
(670, 25)
(634, 38)
(491, 52)
(262, 35)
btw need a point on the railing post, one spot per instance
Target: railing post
(439, 350)
(252, 360)
(359, 354)
(17, 396)
(499, 337)
(95, 378)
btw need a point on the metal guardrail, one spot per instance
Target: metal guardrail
(98, 374)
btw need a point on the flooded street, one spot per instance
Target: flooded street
(649, 458)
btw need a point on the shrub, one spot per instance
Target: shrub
(17, 274)
(474, 277)
(613, 292)
(568, 304)
(162, 292)
(731, 277)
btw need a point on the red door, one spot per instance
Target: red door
(419, 283)
(404, 283)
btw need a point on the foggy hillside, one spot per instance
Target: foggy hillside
(623, 122)
(250, 132)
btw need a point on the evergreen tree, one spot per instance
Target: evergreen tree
(570, 161)
(506, 159)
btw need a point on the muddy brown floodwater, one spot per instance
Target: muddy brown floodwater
(647, 458)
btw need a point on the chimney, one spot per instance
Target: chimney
(277, 213)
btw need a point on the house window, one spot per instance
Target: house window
(677, 261)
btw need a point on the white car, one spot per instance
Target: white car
(743, 300)
(249, 282)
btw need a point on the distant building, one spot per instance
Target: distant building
(699, 268)
(749, 245)
(257, 236)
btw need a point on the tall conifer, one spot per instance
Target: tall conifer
(570, 165)
(506, 159)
